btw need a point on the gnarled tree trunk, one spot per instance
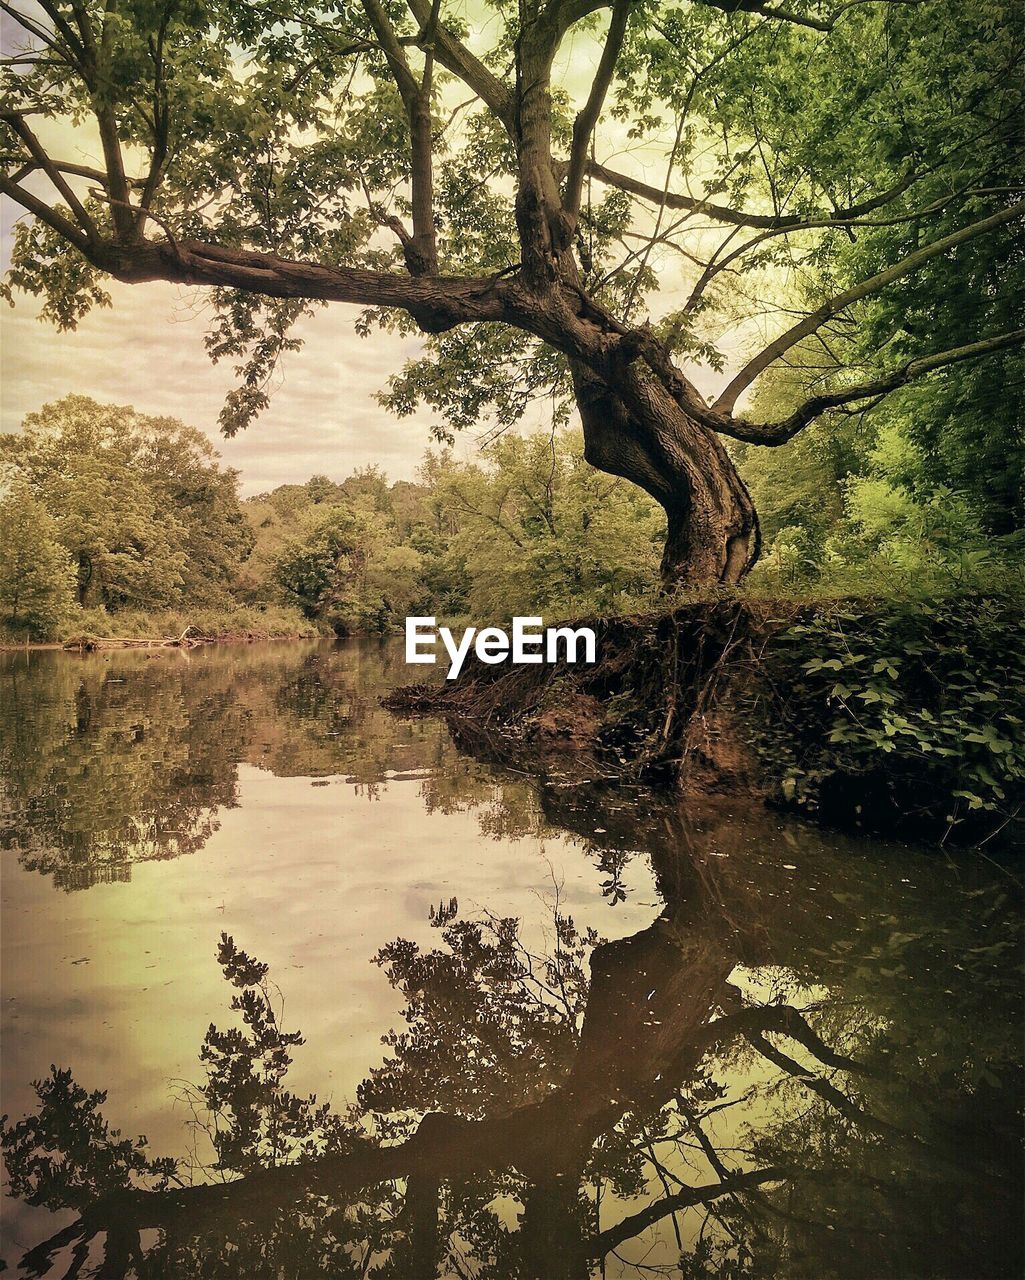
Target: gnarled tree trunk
(712, 535)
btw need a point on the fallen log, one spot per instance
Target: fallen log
(188, 639)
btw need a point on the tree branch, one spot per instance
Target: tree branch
(455, 57)
(716, 265)
(632, 1226)
(777, 12)
(738, 217)
(122, 212)
(69, 51)
(589, 113)
(161, 123)
(780, 432)
(437, 303)
(422, 255)
(864, 289)
(74, 43)
(54, 220)
(35, 149)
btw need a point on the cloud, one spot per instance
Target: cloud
(147, 351)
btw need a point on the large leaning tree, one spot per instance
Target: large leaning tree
(575, 201)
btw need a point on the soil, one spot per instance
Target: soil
(655, 705)
(711, 700)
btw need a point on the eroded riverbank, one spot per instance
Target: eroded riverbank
(899, 716)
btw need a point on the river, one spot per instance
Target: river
(707, 1043)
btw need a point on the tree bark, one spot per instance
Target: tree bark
(712, 531)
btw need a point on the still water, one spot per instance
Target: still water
(554, 1027)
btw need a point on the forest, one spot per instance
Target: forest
(118, 523)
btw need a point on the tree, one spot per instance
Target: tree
(36, 577)
(344, 565)
(140, 503)
(817, 153)
(540, 530)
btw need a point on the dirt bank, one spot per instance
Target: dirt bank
(888, 716)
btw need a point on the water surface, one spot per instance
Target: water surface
(554, 1027)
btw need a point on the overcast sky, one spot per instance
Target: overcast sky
(147, 351)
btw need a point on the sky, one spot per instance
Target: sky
(147, 351)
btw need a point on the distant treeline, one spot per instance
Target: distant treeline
(105, 511)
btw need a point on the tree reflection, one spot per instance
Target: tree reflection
(110, 759)
(114, 758)
(104, 766)
(762, 1082)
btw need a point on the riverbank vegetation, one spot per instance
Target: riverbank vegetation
(119, 524)
(892, 715)
(869, 663)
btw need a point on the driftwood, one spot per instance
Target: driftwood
(188, 639)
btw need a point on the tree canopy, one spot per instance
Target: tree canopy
(139, 504)
(574, 200)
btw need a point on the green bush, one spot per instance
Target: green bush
(914, 706)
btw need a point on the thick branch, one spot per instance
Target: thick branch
(122, 213)
(864, 289)
(54, 220)
(422, 255)
(437, 303)
(161, 123)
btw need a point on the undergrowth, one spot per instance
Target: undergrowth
(910, 709)
(241, 622)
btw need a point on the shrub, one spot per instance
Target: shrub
(914, 706)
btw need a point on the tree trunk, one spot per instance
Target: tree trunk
(637, 431)
(85, 583)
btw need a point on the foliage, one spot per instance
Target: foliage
(345, 566)
(488, 1023)
(530, 528)
(36, 577)
(254, 1121)
(811, 159)
(922, 701)
(869, 533)
(140, 504)
(540, 531)
(67, 1154)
